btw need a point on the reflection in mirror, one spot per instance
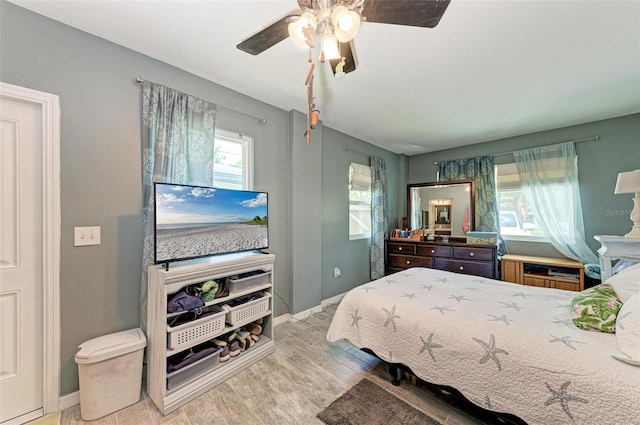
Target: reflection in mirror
(445, 208)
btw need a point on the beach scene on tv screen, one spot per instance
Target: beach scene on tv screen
(197, 221)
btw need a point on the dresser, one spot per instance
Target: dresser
(479, 260)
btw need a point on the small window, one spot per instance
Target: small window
(232, 160)
(359, 201)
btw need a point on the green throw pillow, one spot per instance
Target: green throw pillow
(596, 309)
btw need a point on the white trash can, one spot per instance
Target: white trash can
(110, 372)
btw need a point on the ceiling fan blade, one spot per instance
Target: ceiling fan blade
(268, 37)
(346, 51)
(415, 13)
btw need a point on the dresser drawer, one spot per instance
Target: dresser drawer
(401, 248)
(406, 261)
(478, 254)
(433, 251)
(466, 267)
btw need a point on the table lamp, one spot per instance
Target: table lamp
(629, 182)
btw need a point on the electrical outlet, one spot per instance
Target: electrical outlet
(336, 272)
(83, 236)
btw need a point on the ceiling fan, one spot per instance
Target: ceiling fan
(336, 22)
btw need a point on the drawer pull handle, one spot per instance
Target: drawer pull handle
(433, 251)
(471, 254)
(408, 262)
(461, 268)
(399, 248)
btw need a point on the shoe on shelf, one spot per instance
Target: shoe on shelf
(254, 328)
(224, 354)
(234, 348)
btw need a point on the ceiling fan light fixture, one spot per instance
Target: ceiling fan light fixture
(330, 47)
(302, 31)
(346, 23)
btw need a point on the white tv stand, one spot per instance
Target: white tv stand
(168, 394)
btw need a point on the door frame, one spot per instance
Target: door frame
(51, 222)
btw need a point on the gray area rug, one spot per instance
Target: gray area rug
(367, 403)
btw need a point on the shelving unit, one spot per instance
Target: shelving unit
(544, 272)
(169, 391)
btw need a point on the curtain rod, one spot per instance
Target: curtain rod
(261, 121)
(550, 144)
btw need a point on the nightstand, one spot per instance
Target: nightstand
(616, 247)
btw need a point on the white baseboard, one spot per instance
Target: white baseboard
(323, 305)
(69, 400)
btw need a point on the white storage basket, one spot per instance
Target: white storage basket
(196, 331)
(249, 311)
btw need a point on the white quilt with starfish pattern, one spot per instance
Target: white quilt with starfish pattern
(506, 347)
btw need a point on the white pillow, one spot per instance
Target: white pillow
(628, 331)
(626, 283)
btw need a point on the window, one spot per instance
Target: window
(232, 160)
(517, 221)
(359, 201)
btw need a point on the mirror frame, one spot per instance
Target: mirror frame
(472, 198)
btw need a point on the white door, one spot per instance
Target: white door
(21, 260)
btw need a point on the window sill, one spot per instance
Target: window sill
(358, 237)
(525, 238)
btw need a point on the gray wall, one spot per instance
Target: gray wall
(338, 150)
(599, 162)
(101, 175)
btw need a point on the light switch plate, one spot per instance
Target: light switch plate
(83, 236)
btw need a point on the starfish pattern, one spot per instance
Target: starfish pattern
(355, 318)
(458, 298)
(410, 296)
(512, 305)
(390, 281)
(428, 346)
(491, 351)
(429, 287)
(519, 294)
(441, 309)
(391, 315)
(442, 279)
(567, 322)
(487, 402)
(502, 318)
(369, 288)
(471, 288)
(563, 398)
(566, 340)
(480, 280)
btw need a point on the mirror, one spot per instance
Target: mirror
(446, 208)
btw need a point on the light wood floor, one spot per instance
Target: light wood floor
(291, 386)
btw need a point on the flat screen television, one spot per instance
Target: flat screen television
(196, 221)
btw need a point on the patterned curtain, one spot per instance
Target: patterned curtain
(378, 215)
(177, 147)
(481, 170)
(549, 177)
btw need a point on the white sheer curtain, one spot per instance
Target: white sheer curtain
(549, 177)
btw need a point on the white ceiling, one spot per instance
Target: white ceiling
(489, 70)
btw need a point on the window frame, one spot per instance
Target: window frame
(247, 143)
(360, 203)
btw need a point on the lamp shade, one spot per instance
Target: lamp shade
(345, 23)
(303, 29)
(628, 182)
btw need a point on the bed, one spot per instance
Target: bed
(507, 348)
